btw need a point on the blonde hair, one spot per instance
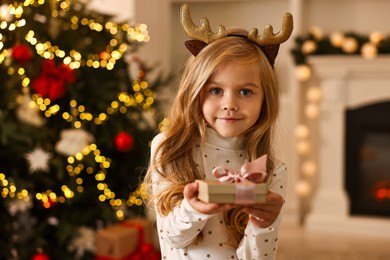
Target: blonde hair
(175, 161)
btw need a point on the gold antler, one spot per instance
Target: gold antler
(202, 33)
(268, 37)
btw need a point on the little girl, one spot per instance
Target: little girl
(224, 114)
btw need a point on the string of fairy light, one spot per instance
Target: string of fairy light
(143, 96)
(114, 51)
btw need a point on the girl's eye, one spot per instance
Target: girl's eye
(245, 92)
(216, 91)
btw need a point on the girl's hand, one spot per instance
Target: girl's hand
(190, 193)
(264, 214)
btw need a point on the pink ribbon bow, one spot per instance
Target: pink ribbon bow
(245, 179)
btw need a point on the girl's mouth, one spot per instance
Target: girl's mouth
(229, 119)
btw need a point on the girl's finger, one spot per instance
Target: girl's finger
(260, 222)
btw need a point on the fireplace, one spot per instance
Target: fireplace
(367, 159)
(345, 202)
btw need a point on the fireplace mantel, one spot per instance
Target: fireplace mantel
(356, 74)
(346, 82)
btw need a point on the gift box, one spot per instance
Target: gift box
(214, 191)
(116, 242)
(132, 239)
(146, 227)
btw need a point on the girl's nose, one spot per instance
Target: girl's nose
(229, 104)
(230, 108)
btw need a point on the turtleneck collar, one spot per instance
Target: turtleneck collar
(215, 139)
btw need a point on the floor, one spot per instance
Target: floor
(297, 244)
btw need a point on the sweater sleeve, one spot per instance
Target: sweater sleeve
(182, 225)
(261, 243)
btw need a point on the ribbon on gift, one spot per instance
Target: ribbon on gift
(145, 250)
(245, 180)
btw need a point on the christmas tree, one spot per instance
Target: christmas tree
(76, 119)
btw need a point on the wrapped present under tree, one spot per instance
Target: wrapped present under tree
(132, 239)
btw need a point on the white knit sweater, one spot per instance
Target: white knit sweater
(178, 230)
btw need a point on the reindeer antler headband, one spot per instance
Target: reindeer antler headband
(203, 35)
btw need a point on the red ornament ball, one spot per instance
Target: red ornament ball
(124, 142)
(22, 53)
(40, 256)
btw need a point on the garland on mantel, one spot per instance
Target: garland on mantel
(339, 43)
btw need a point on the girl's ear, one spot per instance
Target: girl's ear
(195, 46)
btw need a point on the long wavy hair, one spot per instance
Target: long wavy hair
(175, 161)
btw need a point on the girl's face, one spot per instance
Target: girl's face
(232, 98)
